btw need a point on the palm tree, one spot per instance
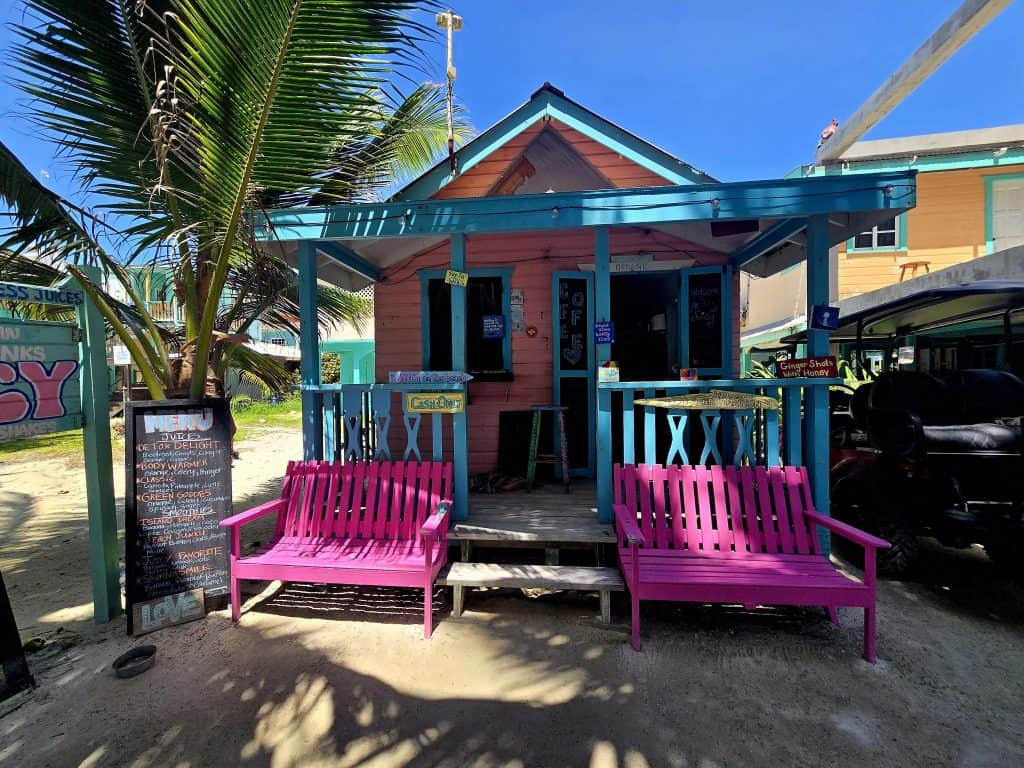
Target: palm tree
(186, 117)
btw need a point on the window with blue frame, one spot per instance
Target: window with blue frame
(488, 347)
(887, 235)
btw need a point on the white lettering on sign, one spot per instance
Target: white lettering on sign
(39, 295)
(196, 421)
(12, 353)
(170, 610)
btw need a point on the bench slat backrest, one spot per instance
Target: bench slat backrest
(719, 510)
(361, 500)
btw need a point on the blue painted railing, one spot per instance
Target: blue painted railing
(368, 422)
(631, 433)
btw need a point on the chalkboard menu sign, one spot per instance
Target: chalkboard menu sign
(178, 466)
(572, 324)
(705, 320)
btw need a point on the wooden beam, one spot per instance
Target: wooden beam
(965, 22)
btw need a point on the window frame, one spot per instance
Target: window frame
(991, 179)
(901, 239)
(505, 273)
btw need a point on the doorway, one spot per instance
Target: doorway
(645, 311)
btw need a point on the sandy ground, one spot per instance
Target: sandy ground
(341, 677)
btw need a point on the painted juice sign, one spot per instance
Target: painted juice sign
(39, 379)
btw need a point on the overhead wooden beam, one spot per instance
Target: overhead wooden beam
(965, 22)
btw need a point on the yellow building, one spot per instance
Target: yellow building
(970, 202)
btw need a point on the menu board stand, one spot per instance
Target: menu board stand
(177, 490)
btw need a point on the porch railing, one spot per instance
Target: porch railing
(369, 422)
(631, 433)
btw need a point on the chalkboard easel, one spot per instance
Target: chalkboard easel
(178, 489)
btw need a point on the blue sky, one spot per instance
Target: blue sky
(738, 88)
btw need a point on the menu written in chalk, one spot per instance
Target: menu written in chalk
(705, 320)
(178, 466)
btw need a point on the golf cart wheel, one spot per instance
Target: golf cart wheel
(855, 501)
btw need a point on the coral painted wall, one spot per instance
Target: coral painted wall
(533, 258)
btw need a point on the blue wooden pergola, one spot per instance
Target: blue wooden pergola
(797, 219)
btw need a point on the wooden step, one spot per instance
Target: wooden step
(590, 579)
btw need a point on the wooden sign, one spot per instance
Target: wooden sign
(808, 368)
(573, 296)
(39, 294)
(704, 320)
(178, 489)
(167, 611)
(454, 277)
(428, 377)
(40, 390)
(435, 402)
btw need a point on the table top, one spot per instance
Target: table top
(715, 400)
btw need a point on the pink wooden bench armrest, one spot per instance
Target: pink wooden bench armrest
(856, 535)
(625, 521)
(252, 514)
(437, 521)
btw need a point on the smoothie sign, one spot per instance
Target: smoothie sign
(39, 377)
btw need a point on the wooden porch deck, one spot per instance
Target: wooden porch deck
(545, 515)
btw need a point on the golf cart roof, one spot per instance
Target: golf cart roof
(928, 310)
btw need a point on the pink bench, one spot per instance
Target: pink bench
(743, 535)
(377, 523)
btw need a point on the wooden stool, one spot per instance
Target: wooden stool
(913, 266)
(547, 458)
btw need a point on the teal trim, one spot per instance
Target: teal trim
(816, 415)
(901, 240)
(99, 472)
(990, 181)
(726, 325)
(590, 374)
(602, 312)
(312, 419)
(505, 273)
(349, 258)
(776, 198)
(925, 164)
(546, 102)
(767, 241)
(460, 423)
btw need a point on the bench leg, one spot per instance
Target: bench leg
(833, 614)
(428, 611)
(236, 600)
(869, 634)
(606, 607)
(635, 620)
(458, 596)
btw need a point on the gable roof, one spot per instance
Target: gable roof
(550, 103)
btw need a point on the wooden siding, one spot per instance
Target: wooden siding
(621, 172)
(946, 228)
(533, 258)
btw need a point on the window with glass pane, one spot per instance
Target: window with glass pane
(483, 297)
(882, 235)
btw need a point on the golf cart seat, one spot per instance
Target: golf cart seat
(960, 438)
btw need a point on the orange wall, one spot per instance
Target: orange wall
(533, 258)
(947, 227)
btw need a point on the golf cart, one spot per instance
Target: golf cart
(935, 450)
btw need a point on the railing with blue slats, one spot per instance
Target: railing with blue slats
(629, 433)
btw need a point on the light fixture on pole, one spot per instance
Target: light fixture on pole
(449, 21)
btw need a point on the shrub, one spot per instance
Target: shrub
(330, 368)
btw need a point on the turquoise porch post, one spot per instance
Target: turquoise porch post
(99, 472)
(312, 421)
(459, 420)
(603, 313)
(816, 416)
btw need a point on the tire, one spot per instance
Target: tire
(857, 502)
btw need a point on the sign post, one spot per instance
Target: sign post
(39, 371)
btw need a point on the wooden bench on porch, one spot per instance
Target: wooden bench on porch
(365, 523)
(745, 535)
